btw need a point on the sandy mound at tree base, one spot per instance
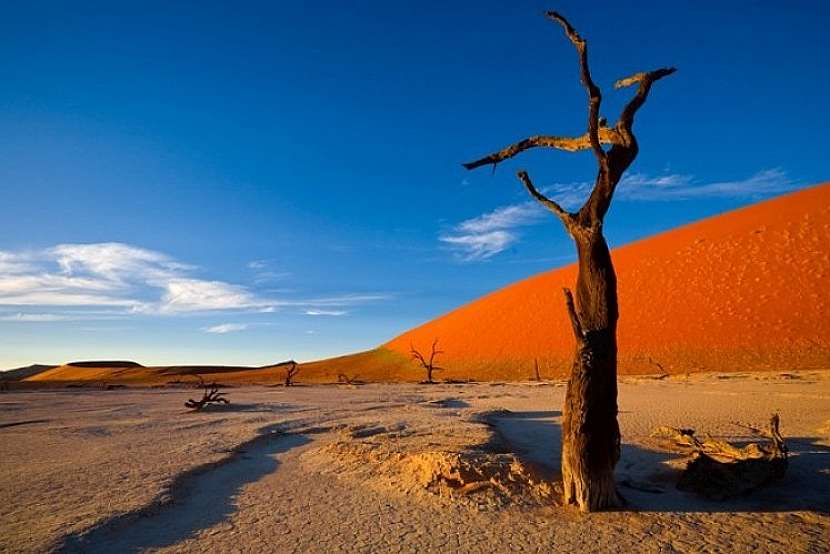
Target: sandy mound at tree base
(403, 459)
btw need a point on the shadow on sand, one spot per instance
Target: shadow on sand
(245, 407)
(201, 498)
(648, 483)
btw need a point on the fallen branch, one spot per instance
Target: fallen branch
(343, 379)
(210, 395)
(719, 470)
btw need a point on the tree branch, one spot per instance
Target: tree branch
(417, 355)
(565, 216)
(435, 352)
(605, 135)
(575, 324)
(645, 80)
(594, 95)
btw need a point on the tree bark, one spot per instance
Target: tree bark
(590, 433)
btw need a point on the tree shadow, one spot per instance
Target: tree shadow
(244, 407)
(27, 422)
(446, 403)
(197, 500)
(647, 477)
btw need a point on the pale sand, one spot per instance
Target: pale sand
(378, 468)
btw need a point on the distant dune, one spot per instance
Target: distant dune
(742, 291)
(20, 373)
(134, 373)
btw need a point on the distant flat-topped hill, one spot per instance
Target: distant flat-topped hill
(104, 363)
(743, 291)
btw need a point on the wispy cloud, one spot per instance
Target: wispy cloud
(639, 186)
(326, 312)
(226, 328)
(195, 295)
(130, 279)
(35, 317)
(344, 300)
(264, 272)
(675, 186)
(480, 246)
(484, 236)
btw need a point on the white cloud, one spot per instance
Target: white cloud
(342, 300)
(263, 272)
(34, 317)
(129, 279)
(226, 328)
(480, 246)
(68, 298)
(11, 263)
(326, 312)
(483, 237)
(85, 315)
(639, 186)
(505, 217)
(675, 186)
(191, 295)
(115, 261)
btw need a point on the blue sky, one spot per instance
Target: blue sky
(198, 183)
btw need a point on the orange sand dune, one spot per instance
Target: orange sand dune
(743, 291)
(746, 290)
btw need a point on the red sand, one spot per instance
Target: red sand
(746, 290)
(743, 291)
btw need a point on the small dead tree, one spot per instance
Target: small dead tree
(428, 365)
(590, 432)
(343, 379)
(536, 375)
(291, 370)
(210, 395)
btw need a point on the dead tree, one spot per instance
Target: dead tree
(343, 379)
(590, 433)
(536, 375)
(428, 365)
(210, 395)
(291, 370)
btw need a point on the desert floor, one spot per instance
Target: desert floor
(393, 468)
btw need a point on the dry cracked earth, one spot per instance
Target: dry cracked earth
(393, 468)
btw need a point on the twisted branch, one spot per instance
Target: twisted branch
(565, 216)
(605, 135)
(645, 80)
(594, 95)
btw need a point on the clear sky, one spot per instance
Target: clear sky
(249, 182)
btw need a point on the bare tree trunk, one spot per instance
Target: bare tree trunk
(590, 433)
